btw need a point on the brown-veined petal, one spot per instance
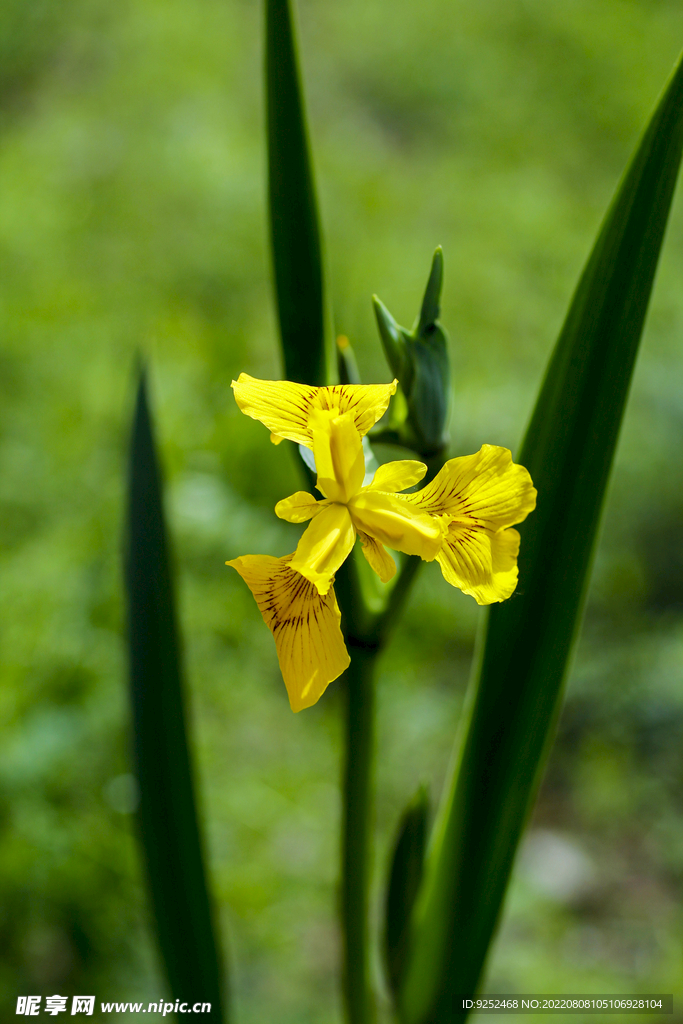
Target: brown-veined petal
(487, 487)
(285, 407)
(326, 543)
(480, 562)
(304, 623)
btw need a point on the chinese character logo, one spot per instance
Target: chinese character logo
(83, 1004)
(29, 1006)
(55, 1004)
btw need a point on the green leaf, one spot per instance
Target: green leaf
(394, 342)
(294, 230)
(404, 882)
(513, 704)
(431, 302)
(168, 824)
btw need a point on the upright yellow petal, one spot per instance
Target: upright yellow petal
(487, 487)
(338, 453)
(396, 476)
(480, 562)
(299, 507)
(393, 521)
(378, 557)
(305, 625)
(326, 543)
(285, 407)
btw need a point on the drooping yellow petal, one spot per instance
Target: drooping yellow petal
(487, 487)
(338, 453)
(378, 557)
(285, 407)
(396, 476)
(326, 543)
(393, 521)
(305, 625)
(480, 562)
(299, 507)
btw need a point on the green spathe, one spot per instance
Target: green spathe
(419, 359)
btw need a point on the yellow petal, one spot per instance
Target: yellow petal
(299, 507)
(396, 476)
(393, 521)
(305, 625)
(366, 402)
(338, 453)
(487, 487)
(480, 562)
(285, 407)
(324, 546)
(378, 557)
(279, 404)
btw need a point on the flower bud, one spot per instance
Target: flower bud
(419, 358)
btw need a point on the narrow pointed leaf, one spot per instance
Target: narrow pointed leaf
(294, 230)
(404, 882)
(430, 389)
(393, 341)
(514, 701)
(431, 303)
(168, 824)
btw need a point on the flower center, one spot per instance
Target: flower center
(339, 456)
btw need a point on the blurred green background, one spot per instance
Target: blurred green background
(132, 216)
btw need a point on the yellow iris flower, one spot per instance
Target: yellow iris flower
(462, 519)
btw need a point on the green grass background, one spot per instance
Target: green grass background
(132, 217)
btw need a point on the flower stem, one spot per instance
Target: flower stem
(365, 637)
(357, 833)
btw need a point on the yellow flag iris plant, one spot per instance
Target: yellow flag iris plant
(446, 883)
(462, 519)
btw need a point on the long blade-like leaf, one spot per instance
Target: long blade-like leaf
(514, 700)
(167, 816)
(404, 881)
(295, 235)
